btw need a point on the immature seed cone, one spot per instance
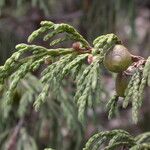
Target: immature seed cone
(118, 59)
(121, 84)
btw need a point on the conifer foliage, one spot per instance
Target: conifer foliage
(63, 61)
(118, 138)
(83, 62)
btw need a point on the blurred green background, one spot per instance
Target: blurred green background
(54, 126)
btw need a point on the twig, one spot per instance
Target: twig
(13, 138)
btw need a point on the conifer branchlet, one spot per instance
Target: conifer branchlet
(70, 61)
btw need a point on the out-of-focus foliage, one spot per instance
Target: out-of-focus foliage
(111, 140)
(8, 40)
(22, 5)
(106, 17)
(23, 128)
(118, 139)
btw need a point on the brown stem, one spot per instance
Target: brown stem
(77, 46)
(12, 141)
(136, 58)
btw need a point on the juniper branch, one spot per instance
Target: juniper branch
(117, 138)
(58, 28)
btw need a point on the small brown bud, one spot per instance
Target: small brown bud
(76, 45)
(47, 61)
(90, 58)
